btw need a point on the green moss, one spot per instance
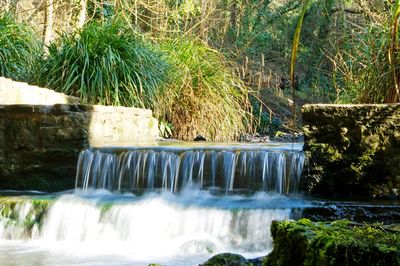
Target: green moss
(330, 153)
(105, 207)
(23, 211)
(337, 243)
(227, 259)
(37, 213)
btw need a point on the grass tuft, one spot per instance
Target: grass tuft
(19, 49)
(205, 96)
(105, 63)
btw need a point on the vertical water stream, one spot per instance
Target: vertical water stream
(276, 171)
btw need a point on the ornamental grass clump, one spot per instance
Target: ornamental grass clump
(205, 96)
(20, 49)
(105, 63)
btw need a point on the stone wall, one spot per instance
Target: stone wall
(40, 144)
(352, 150)
(12, 92)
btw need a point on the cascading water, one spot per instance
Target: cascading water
(231, 169)
(179, 220)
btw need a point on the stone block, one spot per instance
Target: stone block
(12, 92)
(352, 150)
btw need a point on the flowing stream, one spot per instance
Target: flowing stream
(168, 205)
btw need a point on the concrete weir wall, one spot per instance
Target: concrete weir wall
(352, 150)
(12, 92)
(40, 142)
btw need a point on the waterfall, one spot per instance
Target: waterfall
(138, 169)
(174, 206)
(154, 227)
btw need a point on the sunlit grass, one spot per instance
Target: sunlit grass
(368, 72)
(191, 87)
(19, 49)
(105, 63)
(205, 96)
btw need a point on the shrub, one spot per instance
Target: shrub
(205, 96)
(20, 49)
(105, 63)
(190, 86)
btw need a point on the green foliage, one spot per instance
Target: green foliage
(186, 83)
(19, 49)
(266, 122)
(105, 63)
(205, 96)
(368, 62)
(165, 129)
(336, 243)
(394, 94)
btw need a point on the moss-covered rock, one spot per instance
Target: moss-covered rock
(352, 150)
(227, 259)
(25, 213)
(336, 243)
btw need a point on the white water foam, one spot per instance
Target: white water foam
(185, 229)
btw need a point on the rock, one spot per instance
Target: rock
(199, 138)
(227, 259)
(360, 213)
(253, 138)
(287, 137)
(13, 92)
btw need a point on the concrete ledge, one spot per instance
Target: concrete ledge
(12, 92)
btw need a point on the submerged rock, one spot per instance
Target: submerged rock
(288, 137)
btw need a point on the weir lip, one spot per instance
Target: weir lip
(195, 145)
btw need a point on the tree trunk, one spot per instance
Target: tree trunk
(48, 23)
(82, 13)
(203, 23)
(234, 15)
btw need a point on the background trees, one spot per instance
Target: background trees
(349, 49)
